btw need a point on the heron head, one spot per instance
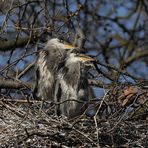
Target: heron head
(82, 58)
(59, 44)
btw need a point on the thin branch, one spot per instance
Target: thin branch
(136, 57)
(28, 67)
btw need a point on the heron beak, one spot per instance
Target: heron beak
(86, 58)
(68, 46)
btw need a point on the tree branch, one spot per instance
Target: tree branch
(10, 84)
(6, 45)
(137, 56)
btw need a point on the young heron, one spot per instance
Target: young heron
(47, 65)
(71, 88)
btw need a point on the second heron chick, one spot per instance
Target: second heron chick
(71, 90)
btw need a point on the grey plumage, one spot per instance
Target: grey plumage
(72, 84)
(47, 65)
(61, 75)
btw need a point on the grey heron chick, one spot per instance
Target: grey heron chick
(71, 88)
(46, 67)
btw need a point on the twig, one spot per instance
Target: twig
(14, 110)
(116, 69)
(22, 101)
(25, 70)
(95, 117)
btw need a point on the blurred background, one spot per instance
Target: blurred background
(116, 33)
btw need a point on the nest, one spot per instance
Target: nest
(34, 124)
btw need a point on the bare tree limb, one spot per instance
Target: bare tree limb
(10, 84)
(6, 45)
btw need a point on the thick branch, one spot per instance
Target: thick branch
(10, 84)
(6, 45)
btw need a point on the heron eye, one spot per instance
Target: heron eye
(61, 41)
